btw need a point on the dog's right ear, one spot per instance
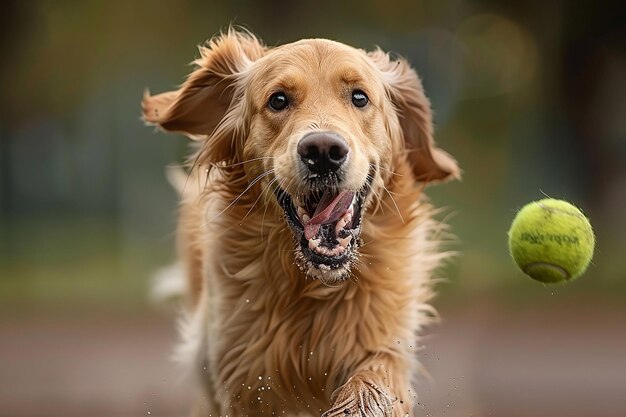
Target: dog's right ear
(202, 102)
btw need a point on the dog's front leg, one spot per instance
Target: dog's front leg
(379, 390)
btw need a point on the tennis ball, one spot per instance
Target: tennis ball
(551, 241)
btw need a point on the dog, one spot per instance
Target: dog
(305, 238)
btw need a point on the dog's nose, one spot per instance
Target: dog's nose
(323, 152)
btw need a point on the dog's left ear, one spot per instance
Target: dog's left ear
(405, 90)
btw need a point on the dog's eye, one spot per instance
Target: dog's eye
(359, 98)
(278, 101)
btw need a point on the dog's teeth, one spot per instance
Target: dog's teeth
(345, 241)
(349, 214)
(302, 212)
(346, 219)
(314, 244)
(321, 250)
(340, 224)
(305, 218)
(338, 250)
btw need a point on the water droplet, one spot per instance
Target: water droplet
(260, 377)
(247, 300)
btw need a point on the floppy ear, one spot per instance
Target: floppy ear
(413, 108)
(204, 103)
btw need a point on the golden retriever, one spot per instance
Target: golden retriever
(305, 238)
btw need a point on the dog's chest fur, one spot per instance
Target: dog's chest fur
(276, 337)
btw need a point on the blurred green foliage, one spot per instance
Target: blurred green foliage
(529, 97)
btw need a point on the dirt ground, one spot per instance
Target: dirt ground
(554, 359)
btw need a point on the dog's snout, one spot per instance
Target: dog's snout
(323, 152)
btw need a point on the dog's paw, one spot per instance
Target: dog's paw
(359, 398)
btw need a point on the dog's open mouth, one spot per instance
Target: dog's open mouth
(326, 224)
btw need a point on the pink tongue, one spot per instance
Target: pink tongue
(328, 210)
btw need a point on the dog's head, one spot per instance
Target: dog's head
(322, 125)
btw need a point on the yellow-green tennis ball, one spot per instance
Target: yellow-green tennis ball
(551, 241)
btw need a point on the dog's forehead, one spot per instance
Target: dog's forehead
(318, 46)
(311, 56)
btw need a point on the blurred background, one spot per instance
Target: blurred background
(530, 98)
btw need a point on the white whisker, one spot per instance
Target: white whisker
(394, 203)
(390, 171)
(257, 179)
(242, 162)
(377, 197)
(279, 185)
(257, 199)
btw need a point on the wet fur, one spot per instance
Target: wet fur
(317, 345)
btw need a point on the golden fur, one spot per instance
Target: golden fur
(266, 335)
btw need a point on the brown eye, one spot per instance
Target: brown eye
(278, 101)
(359, 98)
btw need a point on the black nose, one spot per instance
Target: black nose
(323, 152)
